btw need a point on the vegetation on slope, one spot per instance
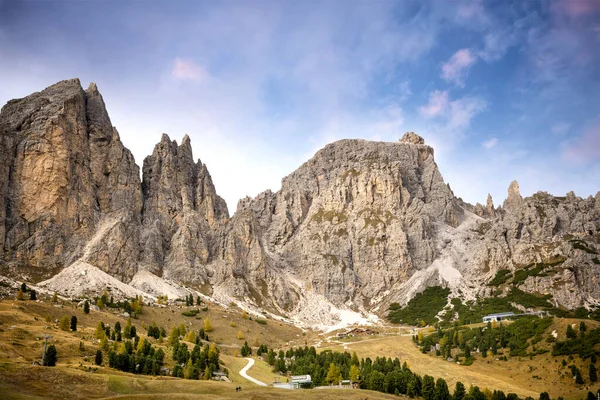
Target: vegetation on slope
(423, 307)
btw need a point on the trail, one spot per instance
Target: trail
(246, 368)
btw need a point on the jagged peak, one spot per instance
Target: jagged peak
(164, 138)
(411, 137)
(92, 88)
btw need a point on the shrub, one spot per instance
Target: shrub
(20, 295)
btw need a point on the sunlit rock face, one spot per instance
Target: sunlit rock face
(359, 225)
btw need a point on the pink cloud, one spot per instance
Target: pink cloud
(584, 149)
(188, 70)
(438, 102)
(456, 68)
(577, 8)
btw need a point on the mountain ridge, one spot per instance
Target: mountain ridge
(359, 225)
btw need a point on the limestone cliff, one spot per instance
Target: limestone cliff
(63, 170)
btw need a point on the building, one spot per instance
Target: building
(301, 380)
(498, 317)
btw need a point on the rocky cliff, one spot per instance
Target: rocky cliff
(359, 225)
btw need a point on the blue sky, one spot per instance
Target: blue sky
(502, 90)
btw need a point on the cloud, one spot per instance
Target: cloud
(488, 144)
(560, 128)
(584, 149)
(463, 110)
(438, 102)
(455, 70)
(187, 70)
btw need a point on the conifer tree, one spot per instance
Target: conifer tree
(32, 295)
(593, 374)
(98, 359)
(20, 295)
(74, 323)
(51, 356)
(207, 325)
(55, 297)
(459, 391)
(86, 307)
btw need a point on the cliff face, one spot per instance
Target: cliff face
(182, 213)
(359, 225)
(355, 219)
(62, 170)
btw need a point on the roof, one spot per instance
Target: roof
(301, 379)
(505, 314)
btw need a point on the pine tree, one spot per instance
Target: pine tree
(98, 357)
(198, 301)
(55, 297)
(593, 374)
(578, 378)
(51, 356)
(544, 396)
(23, 287)
(64, 323)
(20, 295)
(132, 332)
(459, 391)
(32, 295)
(441, 390)
(74, 323)
(428, 390)
(86, 307)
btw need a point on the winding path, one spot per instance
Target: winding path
(246, 368)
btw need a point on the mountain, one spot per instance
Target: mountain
(360, 225)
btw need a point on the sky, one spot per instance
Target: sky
(501, 90)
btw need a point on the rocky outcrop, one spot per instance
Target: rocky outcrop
(181, 214)
(63, 166)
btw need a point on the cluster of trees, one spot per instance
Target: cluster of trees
(103, 332)
(200, 363)
(460, 342)
(138, 357)
(382, 374)
(189, 300)
(132, 306)
(66, 326)
(24, 289)
(246, 350)
(581, 343)
(156, 332)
